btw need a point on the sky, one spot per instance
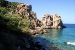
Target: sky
(65, 8)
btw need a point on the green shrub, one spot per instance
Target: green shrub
(13, 21)
(16, 22)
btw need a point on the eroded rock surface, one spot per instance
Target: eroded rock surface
(48, 21)
(25, 11)
(37, 26)
(52, 21)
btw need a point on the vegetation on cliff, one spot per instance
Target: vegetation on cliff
(13, 21)
(15, 24)
(14, 30)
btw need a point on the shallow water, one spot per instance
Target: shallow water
(58, 38)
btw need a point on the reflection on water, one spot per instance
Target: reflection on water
(53, 34)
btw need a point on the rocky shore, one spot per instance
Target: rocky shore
(20, 41)
(14, 35)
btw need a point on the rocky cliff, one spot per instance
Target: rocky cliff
(52, 21)
(37, 26)
(48, 21)
(12, 36)
(13, 23)
(25, 11)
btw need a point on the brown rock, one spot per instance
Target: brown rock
(25, 11)
(52, 21)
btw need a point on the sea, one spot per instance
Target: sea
(58, 38)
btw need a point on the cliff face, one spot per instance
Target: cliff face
(25, 11)
(11, 35)
(52, 21)
(48, 21)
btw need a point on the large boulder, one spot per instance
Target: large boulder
(52, 21)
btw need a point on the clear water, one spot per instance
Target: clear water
(59, 37)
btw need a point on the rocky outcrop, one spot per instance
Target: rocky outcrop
(52, 21)
(25, 11)
(37, 26)
(48, 21)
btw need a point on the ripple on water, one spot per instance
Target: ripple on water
(59, 37)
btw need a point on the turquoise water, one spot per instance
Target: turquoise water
(60, 35)
(58, 38)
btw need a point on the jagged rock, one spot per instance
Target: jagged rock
(52, 21)
(48, 21)
(57, 22)
(25, 11)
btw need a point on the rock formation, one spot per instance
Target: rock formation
(52, 21)
(48, 21)
(25, 11)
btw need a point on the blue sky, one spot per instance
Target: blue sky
(65, 8)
